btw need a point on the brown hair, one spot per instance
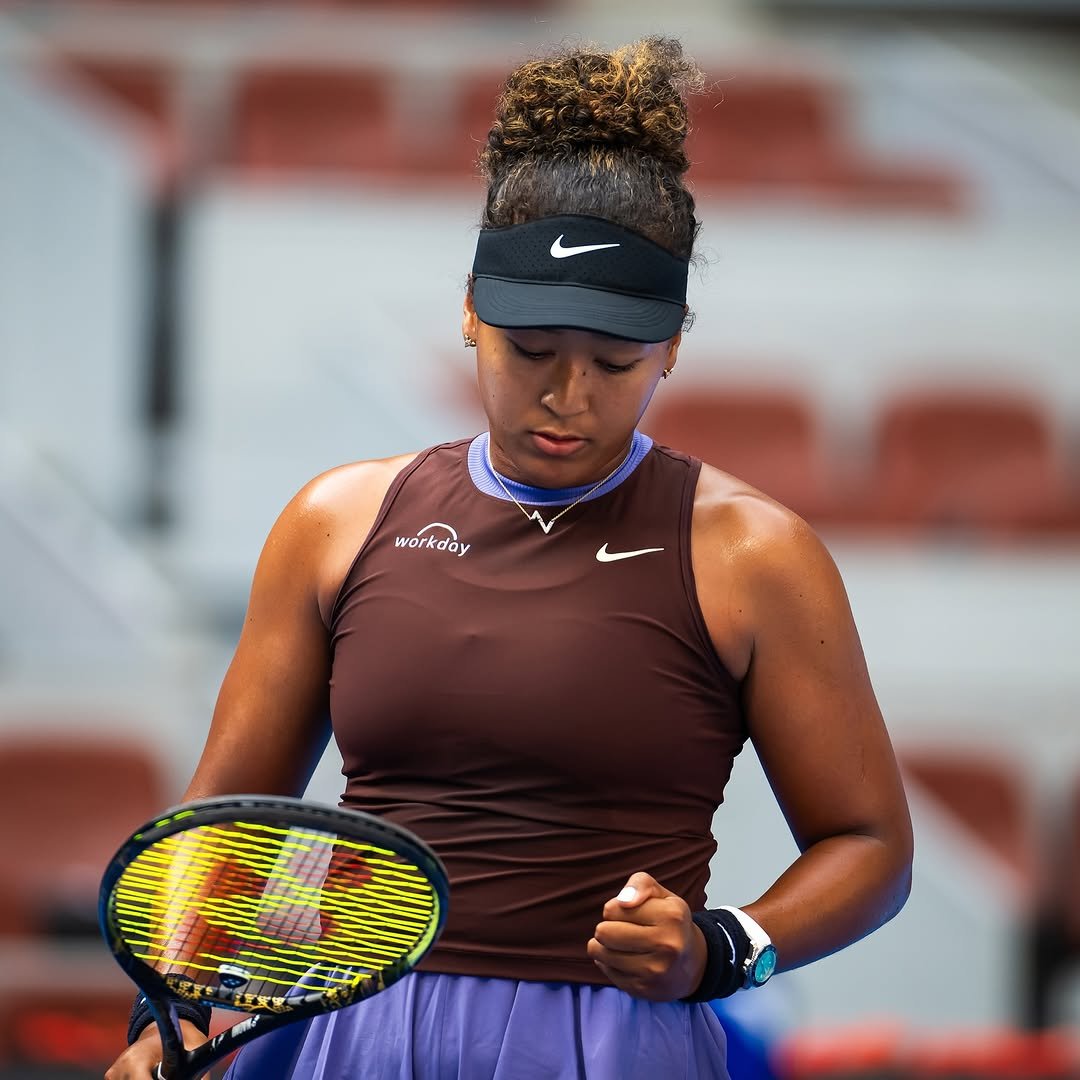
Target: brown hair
(601, 133)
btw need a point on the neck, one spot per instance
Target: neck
(487, 479)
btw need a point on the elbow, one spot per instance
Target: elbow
(907, 866)
(902, 890)
(903, 851)
(906, 858)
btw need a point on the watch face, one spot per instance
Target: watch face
(764, 966)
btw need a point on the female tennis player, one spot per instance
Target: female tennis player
(542, 648)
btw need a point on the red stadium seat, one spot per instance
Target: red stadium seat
(189, 5)
(863, 1050)
(787, 134)
(144, 89)
(293, 119)
(768, 437)
(884, 1050)
(64, 1009)
(136, 84)
(967, 460)
(757, 133)
(474, 110)
(854, 181)
(761, 128)
(463, 6)
(988, 795)
(443, 142)
(67, 801)
(991, 1053)
(46, 1029)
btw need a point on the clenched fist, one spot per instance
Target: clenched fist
(647, 943)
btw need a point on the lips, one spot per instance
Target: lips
(556, 444)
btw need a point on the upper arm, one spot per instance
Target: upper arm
(271, 719)
(811, 711)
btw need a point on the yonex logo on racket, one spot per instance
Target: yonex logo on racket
(446, 540)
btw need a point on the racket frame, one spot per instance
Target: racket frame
(162, 989)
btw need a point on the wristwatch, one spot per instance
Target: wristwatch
(761, 961)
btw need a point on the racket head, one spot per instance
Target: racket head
(270, 905)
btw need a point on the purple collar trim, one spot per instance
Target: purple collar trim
(483, 476)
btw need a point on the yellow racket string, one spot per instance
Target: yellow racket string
(271, 907)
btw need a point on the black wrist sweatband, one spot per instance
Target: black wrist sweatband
(727, 947)
(142, 1017)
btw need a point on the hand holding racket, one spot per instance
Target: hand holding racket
(279, 908)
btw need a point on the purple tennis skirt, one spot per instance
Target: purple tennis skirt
(456, 1027)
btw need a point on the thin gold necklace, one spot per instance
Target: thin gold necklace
(535, 515)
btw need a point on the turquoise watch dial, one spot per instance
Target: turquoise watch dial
(763, 966)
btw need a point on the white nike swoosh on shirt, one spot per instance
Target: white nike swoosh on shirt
(560, 252)
(603, 555)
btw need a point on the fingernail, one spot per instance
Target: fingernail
(629, 893)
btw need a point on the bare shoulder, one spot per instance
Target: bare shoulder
(751, 556)
(734, 518)
(347, 490)
(327, 520)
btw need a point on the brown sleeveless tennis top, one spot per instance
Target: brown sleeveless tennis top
(546, 711)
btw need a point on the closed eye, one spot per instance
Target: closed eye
(618, 369)
(604, 365)
(525, 352)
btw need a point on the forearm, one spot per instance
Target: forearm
(837, 891)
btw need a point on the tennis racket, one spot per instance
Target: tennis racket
(277, 907)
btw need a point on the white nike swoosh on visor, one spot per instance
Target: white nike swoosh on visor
(603, 555)
(560, 252)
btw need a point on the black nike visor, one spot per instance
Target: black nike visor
(579, 272)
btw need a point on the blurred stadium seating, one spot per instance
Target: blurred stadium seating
(68, 798)
(769, 437)
(884, 1051)
(757, 132)
(142, 91)
(990, 795)
(970, 460)
(941, 461)
(68, 1021)
(44, 1030)
(761, 133)
(292, 119)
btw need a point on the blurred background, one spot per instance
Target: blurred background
(233, 246)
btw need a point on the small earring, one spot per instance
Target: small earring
(667, 372)
(470, 343)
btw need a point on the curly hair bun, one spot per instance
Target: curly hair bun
(588, 100)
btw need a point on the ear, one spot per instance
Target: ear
(469, 319)
(673, 351)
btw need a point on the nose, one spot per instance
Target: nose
(567, 393)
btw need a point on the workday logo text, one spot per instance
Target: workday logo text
(445, 538)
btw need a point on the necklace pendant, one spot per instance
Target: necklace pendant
(545, 525)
